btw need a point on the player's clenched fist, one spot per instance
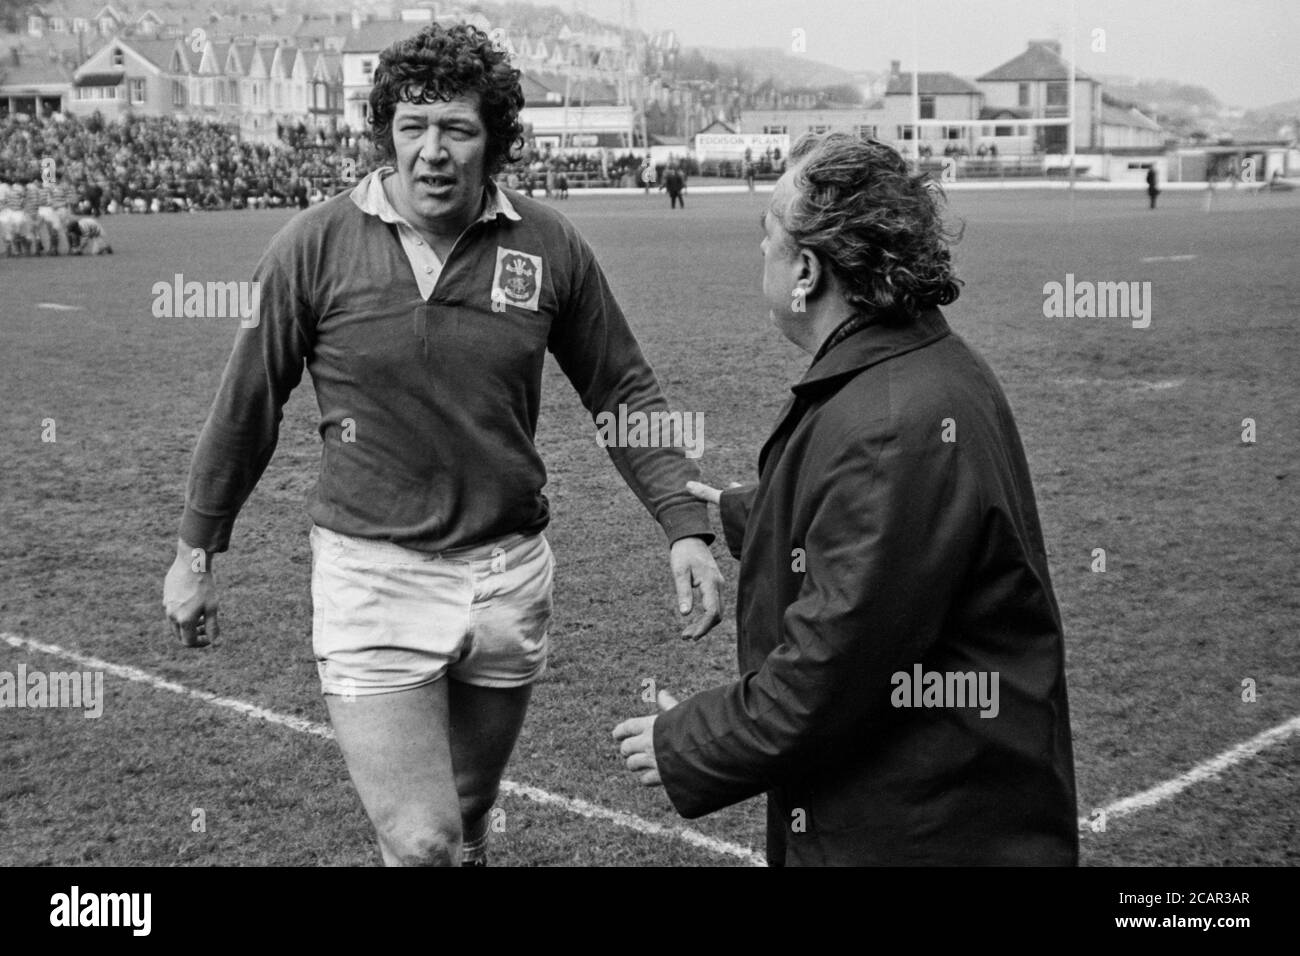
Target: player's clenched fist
(190, 597)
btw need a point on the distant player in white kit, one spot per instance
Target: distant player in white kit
(85, 234)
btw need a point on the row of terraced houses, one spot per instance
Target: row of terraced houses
(262, 72)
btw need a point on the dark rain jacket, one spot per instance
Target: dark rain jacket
(893, 532)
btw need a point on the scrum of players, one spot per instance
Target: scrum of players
(37, 217)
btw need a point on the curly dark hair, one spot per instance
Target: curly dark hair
(876, 225)
(442, 63)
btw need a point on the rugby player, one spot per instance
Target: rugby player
(85, 234)
(423, 302)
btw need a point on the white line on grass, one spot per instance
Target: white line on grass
(582, 808)
(1205, 770)
(1186, 258)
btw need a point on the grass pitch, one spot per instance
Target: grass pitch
(1134, 438)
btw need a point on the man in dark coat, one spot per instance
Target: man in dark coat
(903, 697)
(1153, 184)
(675, 183)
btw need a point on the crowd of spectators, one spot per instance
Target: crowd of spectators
(157, 164)
(165, 164)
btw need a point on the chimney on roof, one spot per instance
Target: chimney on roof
(356, 18)
(895, 67)
(15, 56)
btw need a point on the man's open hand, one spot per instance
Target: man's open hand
(694, 568)
(637, 747)
(190, 597)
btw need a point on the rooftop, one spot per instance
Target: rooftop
(1041, 61)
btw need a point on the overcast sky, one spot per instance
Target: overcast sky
(1246, 52)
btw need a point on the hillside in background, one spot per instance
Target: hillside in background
(1278, 121)
(1186, 110)
(785, 69)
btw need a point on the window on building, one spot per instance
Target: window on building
(1002, 131)
(819, 128)
(776, 130)
(178, 93)
(927, 107)
(952, 132)
(118, 56)
(1024, 94)
(865, 131)
(1058, 94)
(905, 132)
(35, 25)
(137, 92)
(367, 67)
(57, 24)
(99, 93)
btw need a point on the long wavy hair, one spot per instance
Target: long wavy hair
(442, 63)
(877, 226)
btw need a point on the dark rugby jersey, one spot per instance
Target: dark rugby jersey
(428, 408)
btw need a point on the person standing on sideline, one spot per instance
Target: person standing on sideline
(423, 303)
(1153, 184)
(902, 698)
(675, 183)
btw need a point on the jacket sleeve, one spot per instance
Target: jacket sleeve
(243, 425)
(600, 355)
(888, 541)
(733, 509)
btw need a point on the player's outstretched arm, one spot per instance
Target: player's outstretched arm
(190, 596)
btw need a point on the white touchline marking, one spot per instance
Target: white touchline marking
(1205, 770)
(58, 307)
(580, 807)
(1132, 384)
(1185, 258)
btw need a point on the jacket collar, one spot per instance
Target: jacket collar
(870, 345)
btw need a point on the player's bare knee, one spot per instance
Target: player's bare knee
(431, 844)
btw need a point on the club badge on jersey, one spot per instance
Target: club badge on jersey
(517, 280)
